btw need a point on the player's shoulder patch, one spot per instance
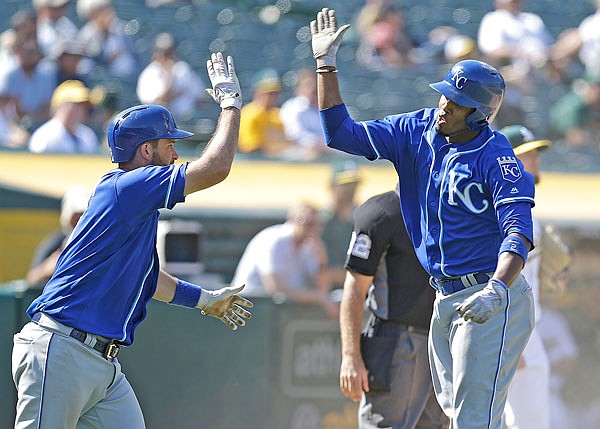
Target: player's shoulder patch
(360, 245)
(509, 168)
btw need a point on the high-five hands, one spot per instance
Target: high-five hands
(225, 86)
(326, 37)
(226, 305)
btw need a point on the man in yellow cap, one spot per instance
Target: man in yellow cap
(65, 132)
(528, 404)
(261, 129)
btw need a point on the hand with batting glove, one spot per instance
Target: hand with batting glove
(326, 37)
(226, 305)
(482, 305)
(225, 86)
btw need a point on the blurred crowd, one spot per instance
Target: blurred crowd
(53, 42)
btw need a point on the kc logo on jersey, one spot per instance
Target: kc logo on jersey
(471, 191)
(509, 168)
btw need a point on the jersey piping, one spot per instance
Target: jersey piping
(171, 180)
(429, 138)
(137, 298)
(371, 140)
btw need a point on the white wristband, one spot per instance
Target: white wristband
(231, 102)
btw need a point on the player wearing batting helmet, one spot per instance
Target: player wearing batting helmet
(65, 364)
(466, 202)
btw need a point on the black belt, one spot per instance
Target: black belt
(108, 349)
(450, 285)
(409, 328)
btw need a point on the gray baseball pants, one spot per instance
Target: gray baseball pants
(473, 364)
(62, 383)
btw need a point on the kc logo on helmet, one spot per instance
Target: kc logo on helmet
(509, 168)
(459, 80)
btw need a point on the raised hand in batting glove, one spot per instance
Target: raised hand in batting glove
(225, 86)
(226, 305)
(326, 37)
(482, 305)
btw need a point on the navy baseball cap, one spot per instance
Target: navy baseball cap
(522, 139)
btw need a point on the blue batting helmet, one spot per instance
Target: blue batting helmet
(137, 125)
(474, 84)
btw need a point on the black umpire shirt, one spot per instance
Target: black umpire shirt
(381, 248)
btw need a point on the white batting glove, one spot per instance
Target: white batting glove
(326, 37)
(482, 305)
(226, 305)
(225, 86)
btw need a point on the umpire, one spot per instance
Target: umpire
(388, 361)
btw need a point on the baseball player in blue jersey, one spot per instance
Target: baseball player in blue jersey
(64, 361)
(466, 203)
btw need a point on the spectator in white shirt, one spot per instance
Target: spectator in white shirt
(105, 40)
(169, 81)
(509, 35)
(65, 131)
(53, 25)
(289, 261)
(301, 120)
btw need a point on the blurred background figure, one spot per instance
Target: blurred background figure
(11, 133)
(53, 25)
(459, 47)
(508, 35)
(338, 218)
(288, 262)
(67, 55)
(105, 40)
(528, 403)
(577, 50)
(517, 43)
(384, 41)
(73, 204)
(562, 351)
(23, 25)
(589, 34)
(261, 130)
(66, 132)
(169, 81)
(301, 119)
(30, 82)
(575, 117)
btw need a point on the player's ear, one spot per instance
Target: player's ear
(146, 150)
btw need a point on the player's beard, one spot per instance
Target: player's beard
(158, 161)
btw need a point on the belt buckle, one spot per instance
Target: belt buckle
(111, 351)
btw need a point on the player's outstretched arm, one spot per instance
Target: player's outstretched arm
(214, 164)
(224, 304)
(326, 40)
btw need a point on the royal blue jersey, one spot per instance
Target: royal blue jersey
(109, 269)
(458, 200)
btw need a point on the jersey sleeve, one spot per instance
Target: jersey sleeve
(513, 192)
(150, 188)
(370, 239)
(509, 182)
(376, 139)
